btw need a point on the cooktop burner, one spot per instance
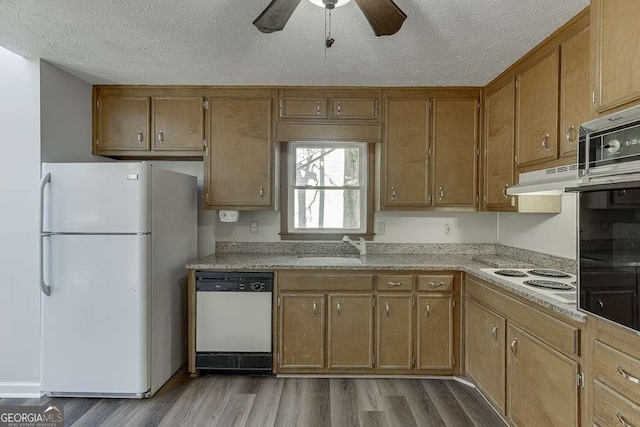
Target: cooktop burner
(511, 273)
(548, 284)
(549, 273)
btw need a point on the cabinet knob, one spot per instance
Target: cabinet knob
(441, 193)
(427, 310)
(393, 193)
(315, 309)
(318, 108)
(545, 140)
(514, 346)
(386, 309)
(339, 108)
(161, 137)
(140, 137)
(338, 308)
(261, 193)
(494, 333)
(504, 191)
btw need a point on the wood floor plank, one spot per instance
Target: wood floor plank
(387, 387)
(373, 419)
(422, 406)
(188, 402)
(446, 404)
(478, 410)
(289, 406)
(100, 413)
(235, 412)
(224, 389)
(304, 402)
(398, 412)
(368, 395)
(267, 393)
(344, 402)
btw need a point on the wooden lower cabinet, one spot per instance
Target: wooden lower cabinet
(394, 332)
(350, 333)
(302, 331)
(542, 388)
(434, 332)
(485, 351)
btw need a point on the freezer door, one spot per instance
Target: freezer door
(97, 198)
(95, 322)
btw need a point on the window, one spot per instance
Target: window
(327, 192)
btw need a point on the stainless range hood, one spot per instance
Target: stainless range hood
(546, 182)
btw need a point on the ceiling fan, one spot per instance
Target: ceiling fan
(384, 16)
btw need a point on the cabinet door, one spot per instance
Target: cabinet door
(485, 351)
(615, 52)
(500, 147)
(240, 154)
(178, 124)
(303, 108)
(576, 96)
(354, 109)
(537, 111)
(124, 124)
(302, 331)
(435, 332)
(394, 329)
(542, 384)
(350, 332)
(455, 130)
(406, 179)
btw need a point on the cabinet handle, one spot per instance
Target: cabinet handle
(338, 307)
(393, 193)
(601, 305)
(205, 146)
(318, 109)
(441, 193)
(504, 191)
(545, 146)
(627, 376)
(394, 284)
(261, 193)
(375, 109)
(315, 309)
(161, 137)
(427, 310)
(140, 137)
(386, 308)
(623, 421)
(571, 134)
(436, 284)
(494, 332)
(339, 108)
(514, 346)
(282, 108)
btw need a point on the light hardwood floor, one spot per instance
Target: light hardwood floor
(214, 400)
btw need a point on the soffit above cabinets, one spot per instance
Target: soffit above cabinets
(212, 42)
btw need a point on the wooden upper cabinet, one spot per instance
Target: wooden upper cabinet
(575, 102)
(303, 108)
(302, 331)
(455, 137)
(434, 332)
(238, 161)
(178, 123)
(537, 111)
(615, 52)
(123, 123)
(350, 333)
(405, 179)
(542, 386)
(394, 331)
(499, 147)
(354, 109)
(485, 351)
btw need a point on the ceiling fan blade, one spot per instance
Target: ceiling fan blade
(384, 16)
(276, 15)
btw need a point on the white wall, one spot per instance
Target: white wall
(19, 204)
(549, 234)
(65, 109)
(400, 227)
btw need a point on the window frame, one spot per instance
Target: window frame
(286, 189)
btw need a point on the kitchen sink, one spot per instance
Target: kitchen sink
(328, 260)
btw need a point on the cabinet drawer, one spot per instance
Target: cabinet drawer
(354, 109)
(303, 108)
(612, 409)
(325, 282)
(436, 283)
(618, 370)
(395, 283)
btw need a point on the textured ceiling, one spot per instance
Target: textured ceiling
(211, 42)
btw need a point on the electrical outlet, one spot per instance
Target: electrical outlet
(253, 227)
(380, 228)
(448, 230)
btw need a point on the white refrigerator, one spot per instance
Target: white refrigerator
(115, 238)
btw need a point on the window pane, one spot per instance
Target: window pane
(330, 167)
(322, 209)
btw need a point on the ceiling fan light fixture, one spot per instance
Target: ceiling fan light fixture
(326, 4)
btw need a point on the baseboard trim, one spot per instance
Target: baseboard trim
(22, 390)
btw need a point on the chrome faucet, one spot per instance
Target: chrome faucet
(361, 245)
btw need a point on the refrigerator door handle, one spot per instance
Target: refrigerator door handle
(43, 285)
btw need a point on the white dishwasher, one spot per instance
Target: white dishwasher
(233, 321)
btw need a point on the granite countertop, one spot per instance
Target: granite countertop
(425, 262)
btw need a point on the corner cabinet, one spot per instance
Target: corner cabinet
(239, 155)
